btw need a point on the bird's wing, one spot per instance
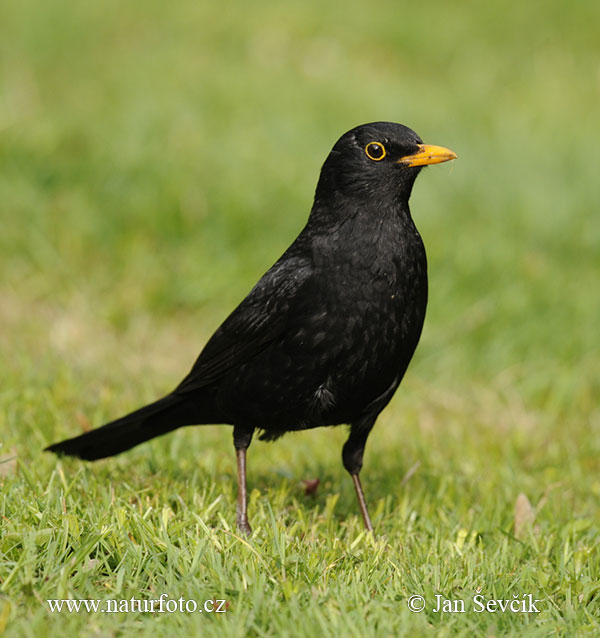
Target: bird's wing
(258, 321)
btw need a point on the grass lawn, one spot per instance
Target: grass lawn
(154, 161)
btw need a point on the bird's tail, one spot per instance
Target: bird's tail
(152, 420)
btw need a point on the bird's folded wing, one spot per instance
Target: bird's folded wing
(259, 321)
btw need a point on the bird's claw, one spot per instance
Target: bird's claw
(244, 527)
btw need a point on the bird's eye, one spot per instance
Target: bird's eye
(375, 151)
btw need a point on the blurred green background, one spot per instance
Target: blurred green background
(156, 159)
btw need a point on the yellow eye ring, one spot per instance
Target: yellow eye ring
(375, 151)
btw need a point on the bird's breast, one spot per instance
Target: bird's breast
(365, 325)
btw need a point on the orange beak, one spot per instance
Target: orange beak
(428, 154)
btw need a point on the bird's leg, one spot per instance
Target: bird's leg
(241, 442)
(352, 456)
(362, 503)
(242, 499)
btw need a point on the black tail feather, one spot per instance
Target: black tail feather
(152, 420)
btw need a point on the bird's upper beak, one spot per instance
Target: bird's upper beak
(428, 154)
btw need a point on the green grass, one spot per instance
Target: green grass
(154, 161)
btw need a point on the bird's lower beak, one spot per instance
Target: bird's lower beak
(428, 154)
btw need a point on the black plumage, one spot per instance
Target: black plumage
(326, 335)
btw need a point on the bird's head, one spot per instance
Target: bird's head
(377, 160)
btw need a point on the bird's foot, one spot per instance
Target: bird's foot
(244, 526)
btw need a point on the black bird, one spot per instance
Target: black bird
(326, 335)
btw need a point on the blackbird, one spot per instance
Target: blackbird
(326, 335)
